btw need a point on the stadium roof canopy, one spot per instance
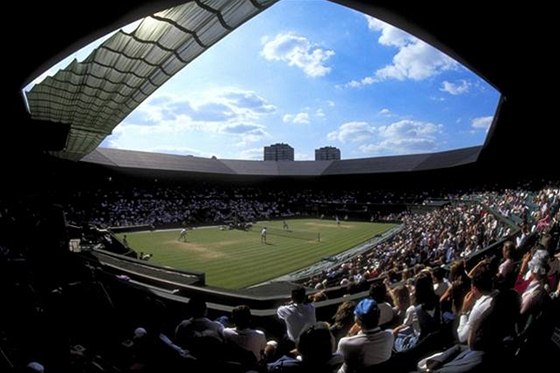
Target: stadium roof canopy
(508, 46)
(95, 95)
(190, 164)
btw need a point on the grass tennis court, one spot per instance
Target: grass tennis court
(236, 259)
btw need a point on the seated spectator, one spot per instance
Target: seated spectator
(378, 292)
(152, 349)
(243, 335)
(315, 353)
(199, 334)
(343, 320)
(537, 257)
(535, 295)
(544, 222)
(523, 238)
(506, 274)
(371, 345)
(421, 319)
(477, 301)
(489, 340)
(441, 284)
(401, 300)
(297, 314)
(453, 298)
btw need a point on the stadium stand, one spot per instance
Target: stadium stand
(70, 314)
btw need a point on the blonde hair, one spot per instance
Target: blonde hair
(401, 297)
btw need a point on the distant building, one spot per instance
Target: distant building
(278, 152)
(327, 153)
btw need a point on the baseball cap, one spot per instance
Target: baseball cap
(365, 308)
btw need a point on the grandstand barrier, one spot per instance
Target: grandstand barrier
(132, 228)
(219, 303)
(148, 272)
(169, 285)
(183, 284)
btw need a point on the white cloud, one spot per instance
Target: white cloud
(118, 142)
(390, 35)
(168, 123)
(385, 112)
(299, 118)
(319, 113)
(208, 111)
(247, 133)
(402, 137)
(240, 128)
(462, 86)
(408, 128)
(247, 102)
(298, 51)
(400, 146)
(414, 60)
(368, 80)
(482, 123)
(352, 132)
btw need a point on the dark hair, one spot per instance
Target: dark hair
(424, 291)
(438, 273)
(298, 294)
(316, 343)
(241, 316)
(197, 307)
(378, 292)
(509, 248)
(482, 278)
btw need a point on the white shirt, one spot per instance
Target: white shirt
(386, 313)
(411, 319)
(506, 268)
(250, 339)
(369, 347)
(466, 322)
(297, 317)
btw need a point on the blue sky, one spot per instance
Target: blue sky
(312, 74)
